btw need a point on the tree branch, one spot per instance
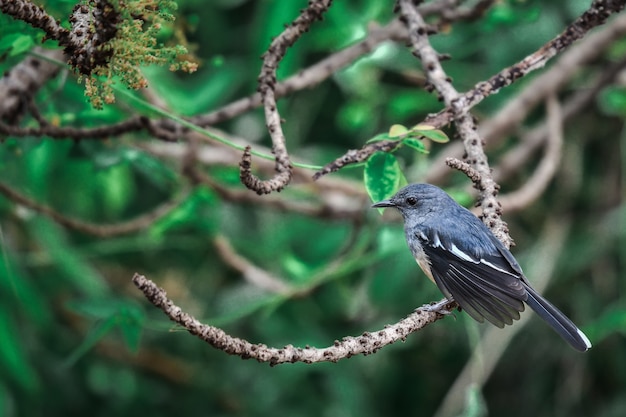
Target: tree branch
(35, 16)
(20, 84)
(367, 343)
(539, 180)
(100, 230)
(132, 124)
(267, 85)
(516, 157)
(311, 76)
(475, 154)
(251, 273)
(503, 123)
(596, 15)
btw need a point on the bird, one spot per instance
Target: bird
(469, 264)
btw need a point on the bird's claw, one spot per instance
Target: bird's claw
(440, 307)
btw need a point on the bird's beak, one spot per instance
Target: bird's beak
(384, 203)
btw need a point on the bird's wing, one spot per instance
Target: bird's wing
(487, 285)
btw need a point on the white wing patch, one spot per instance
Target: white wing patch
(585, 339)
(436, 241)
(460, 254)
(490, 265)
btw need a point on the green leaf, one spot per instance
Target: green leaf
(98, 332)
(462, 197)
(382, 136)
(131, 319)
(17, 285)
(397, 130)
(118, 313)
(13, 361)
(117, 188)
(68, 264)
(612, 321)
(435, 135)
(95, 309)
(416, 144)
(16, 43)
(296, 269)
(196, 212)
(421, 127)
(354, 116)
(613, 101)
(382, 176)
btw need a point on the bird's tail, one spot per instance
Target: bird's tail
(557, 320)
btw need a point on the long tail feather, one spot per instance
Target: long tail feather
(557, 320)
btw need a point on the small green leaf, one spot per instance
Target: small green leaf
(423, 127)
(382, 136)
(613, 101)
(382, 176)
(416, 144)
(435, 135)
(397, 130)
(16, 43)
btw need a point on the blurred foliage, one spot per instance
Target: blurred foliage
(76, 338)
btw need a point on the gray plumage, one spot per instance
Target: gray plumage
(469, 264)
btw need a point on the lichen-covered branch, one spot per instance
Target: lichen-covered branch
(497, 127)
(311, 76)
(596, 15)
(475, 154)
(19, 85)
(267, 86)
(367, 343)
(37, 17)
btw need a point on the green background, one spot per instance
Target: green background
(76, 337)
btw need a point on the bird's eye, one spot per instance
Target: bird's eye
(411, 201)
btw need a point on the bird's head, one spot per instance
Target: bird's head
(416, 198)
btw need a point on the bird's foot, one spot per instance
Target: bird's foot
(442, 307)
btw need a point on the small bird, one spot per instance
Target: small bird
(469, 264)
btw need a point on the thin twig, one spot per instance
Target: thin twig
(465, 13)
(347, 347)
(132, 124)
(325, 209)
(475, 154)
(320, 71)
(101, 230)
(465, 168)
(512, 161)
(267, 84)
(594, 16)
(497, 127)
(251, 273)
(311, 76)
(543, 174)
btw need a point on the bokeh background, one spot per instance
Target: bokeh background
(76, 337)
